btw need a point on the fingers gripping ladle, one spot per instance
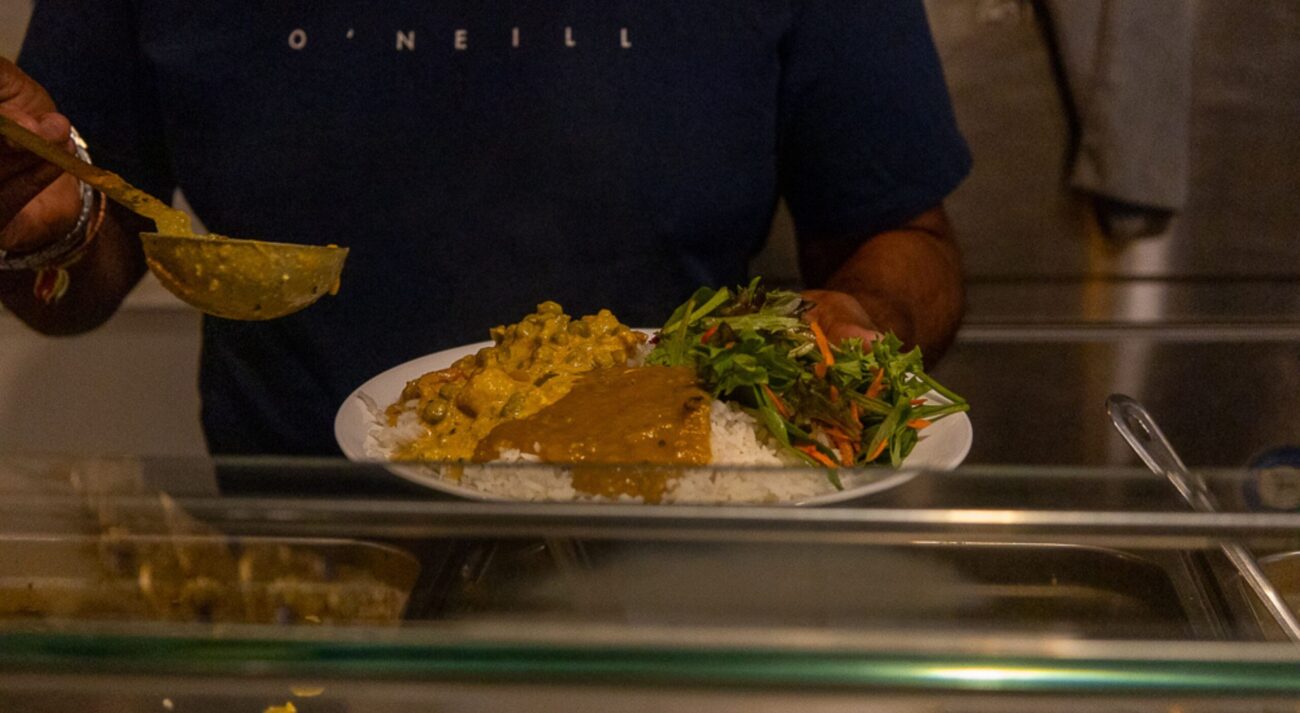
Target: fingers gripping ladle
(225, 277)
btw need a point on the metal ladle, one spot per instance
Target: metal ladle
(1148, 441)
(235, 279)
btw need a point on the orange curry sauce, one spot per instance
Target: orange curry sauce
(611, 421)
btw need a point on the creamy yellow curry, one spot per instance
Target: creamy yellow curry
(560, 389)
(529, 366)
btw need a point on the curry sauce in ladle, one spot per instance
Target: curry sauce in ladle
(235, 279)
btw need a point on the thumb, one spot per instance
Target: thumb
(837, 332)
(52, 126)
(11, 80)
(841, 316)
(20, 93)
(27, 104)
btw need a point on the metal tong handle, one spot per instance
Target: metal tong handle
(1148, 441)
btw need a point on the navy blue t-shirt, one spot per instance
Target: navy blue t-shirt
(481, 156)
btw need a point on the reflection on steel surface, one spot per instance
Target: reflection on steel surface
(1144, 435)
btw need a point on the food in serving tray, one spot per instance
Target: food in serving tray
(735, 377)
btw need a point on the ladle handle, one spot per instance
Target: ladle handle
(168, 219)
(1148, 441)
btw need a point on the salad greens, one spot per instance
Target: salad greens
(838, 406)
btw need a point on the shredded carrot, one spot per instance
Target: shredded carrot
(918, 402)
(846, 452)
(704, 338)
(879, 449)
(817, 455)
(877, 384)
(776, 401)
(835, 394)
(820, 369)
(835, 432)
(844, 445)
(853, 410)
(918, 423)
(822, 345)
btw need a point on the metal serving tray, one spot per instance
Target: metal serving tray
(1086, 591)
(1283, 570)
(203, 579)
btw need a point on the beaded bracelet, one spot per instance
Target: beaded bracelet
(52, 281)
(69, 245)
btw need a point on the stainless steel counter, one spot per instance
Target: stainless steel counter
(1050, 589)
(1223, 393)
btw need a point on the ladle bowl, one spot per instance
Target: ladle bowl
(224, 277)
(242, 279)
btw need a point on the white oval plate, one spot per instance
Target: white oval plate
(942, 446)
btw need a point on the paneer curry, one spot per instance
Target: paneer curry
(530, 365)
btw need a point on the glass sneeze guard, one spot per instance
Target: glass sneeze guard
(1024, 582)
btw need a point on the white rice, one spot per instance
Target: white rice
(734, 439)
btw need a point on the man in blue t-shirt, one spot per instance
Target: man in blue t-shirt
(479, 158)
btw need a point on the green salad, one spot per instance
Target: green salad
(835, 405)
